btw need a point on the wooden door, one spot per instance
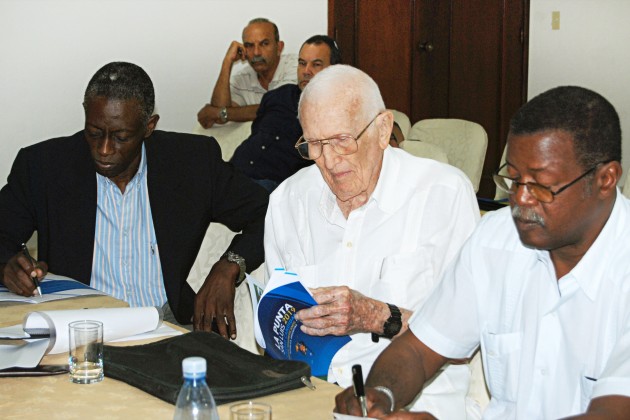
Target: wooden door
(441, 59)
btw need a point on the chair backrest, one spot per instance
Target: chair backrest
(464, 142)
(403, 121)
(625, 190)
(425, 150)
(499, 194)
(229, 135)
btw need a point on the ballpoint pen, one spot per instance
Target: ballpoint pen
(359, 390)
(32, 260)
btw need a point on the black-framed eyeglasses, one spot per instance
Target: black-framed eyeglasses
(539, 192)
(342, 144)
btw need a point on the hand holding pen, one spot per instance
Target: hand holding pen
(35, 266)
(17, 273)
(359, 389)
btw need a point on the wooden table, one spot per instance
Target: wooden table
(55, 397)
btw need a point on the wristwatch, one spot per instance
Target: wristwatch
(392, 326)
(235, 258)
(223, 115)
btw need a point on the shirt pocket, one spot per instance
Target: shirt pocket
(502, 353)
(405, 279)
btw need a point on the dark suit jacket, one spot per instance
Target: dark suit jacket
(52, 189)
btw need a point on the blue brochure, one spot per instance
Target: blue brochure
(280, 332)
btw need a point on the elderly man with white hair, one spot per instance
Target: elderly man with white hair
(369, 228)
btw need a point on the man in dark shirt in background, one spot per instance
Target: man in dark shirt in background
(268, 155)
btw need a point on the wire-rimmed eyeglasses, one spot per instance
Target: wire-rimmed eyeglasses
(539, 192)
(342, 144)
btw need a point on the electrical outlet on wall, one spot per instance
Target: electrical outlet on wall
(555, 20)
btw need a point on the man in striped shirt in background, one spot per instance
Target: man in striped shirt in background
(124, 207)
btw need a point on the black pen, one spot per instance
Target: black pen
(359, 390)
(34, 263)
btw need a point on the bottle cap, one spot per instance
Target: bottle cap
(194, 366)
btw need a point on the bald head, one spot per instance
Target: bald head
(344, 89)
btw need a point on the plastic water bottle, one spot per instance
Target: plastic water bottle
(195, 401)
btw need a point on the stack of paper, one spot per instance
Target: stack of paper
(53, 325)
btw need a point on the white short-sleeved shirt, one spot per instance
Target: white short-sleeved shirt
(548, 346)
(394, 248)
(245, 89)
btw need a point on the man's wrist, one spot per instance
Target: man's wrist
(233, 257)
(390, 396)
(223, 114)
(392, 325)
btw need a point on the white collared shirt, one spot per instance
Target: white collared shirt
(548, 346)
(245, 89)
(394, 248)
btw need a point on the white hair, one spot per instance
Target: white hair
(343, 85)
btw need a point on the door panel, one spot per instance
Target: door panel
(431, 67)
(382, 42)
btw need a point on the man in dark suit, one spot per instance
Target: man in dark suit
(124, 207)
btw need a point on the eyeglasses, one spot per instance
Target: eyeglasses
(342, 144)
(539, 192)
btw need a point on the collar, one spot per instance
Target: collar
(387, 195)
(140, 173)
(589, 273)
(278, 74)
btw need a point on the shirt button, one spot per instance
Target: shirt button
(263, 147)
(349, 244)
(543, 372)
(277, 138)
(251, 162)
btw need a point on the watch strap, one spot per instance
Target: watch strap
(235, 258)
(392, 326)
(223, 114)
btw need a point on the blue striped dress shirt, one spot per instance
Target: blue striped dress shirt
(126, 261)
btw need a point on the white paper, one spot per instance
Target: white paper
(117, 323)
(24, 355)
(338, 416)
(64, 288)
(13, 332)
(256, 290)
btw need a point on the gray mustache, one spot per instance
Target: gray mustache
(527, 215)
(257, 59)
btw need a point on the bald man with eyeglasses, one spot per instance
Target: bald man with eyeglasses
(543, 287)
(369, 228)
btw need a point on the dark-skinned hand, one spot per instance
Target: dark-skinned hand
(215, 300)
(17, 274)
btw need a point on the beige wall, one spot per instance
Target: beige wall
(50, 48)
(590, 49)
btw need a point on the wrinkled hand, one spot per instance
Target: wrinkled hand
(377, 403)
(208, 116)
(339, 311)
(17, 272)
(215, 300)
